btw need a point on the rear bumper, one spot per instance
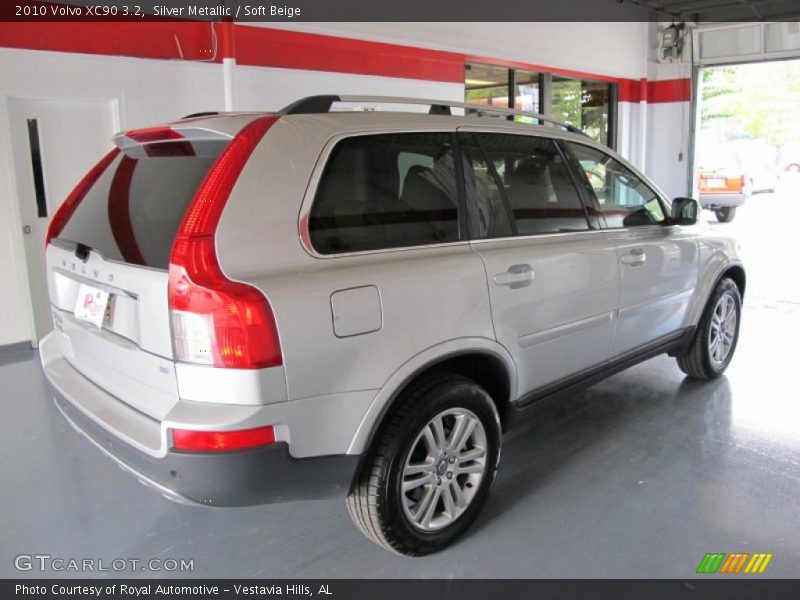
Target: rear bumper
(722, 200)
(239, 478)
(243, 478)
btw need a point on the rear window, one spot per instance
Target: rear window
(386, 191)
(133, 211)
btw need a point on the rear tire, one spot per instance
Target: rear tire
(405, 499)
(717, 334)
(725, 214)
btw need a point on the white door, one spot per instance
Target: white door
(55, 141)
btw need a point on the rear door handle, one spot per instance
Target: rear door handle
(517, 276)
(634, 258)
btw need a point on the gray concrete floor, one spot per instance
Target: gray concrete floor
(639, 476)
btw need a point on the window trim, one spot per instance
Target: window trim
(319, 168)
(639, 175)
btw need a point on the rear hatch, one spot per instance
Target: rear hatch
(114, 251)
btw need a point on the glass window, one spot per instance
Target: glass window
(526, 94)
(133, 211)
(386, 191)
(486, 85)
(488, 213)
(518, 184)
(623, 199)
(583, 104)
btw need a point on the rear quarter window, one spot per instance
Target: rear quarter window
(386, 191)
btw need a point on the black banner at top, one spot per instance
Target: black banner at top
(407, 10)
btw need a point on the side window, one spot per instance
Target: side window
(386, 191)
(518, 185)
(623, 199)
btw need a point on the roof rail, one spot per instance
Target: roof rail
(323, 104)
(208, 113)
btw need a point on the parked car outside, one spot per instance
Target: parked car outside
(722, 184)
(253, 308)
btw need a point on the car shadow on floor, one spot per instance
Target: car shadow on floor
(575, 436)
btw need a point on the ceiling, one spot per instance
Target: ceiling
(701, 11)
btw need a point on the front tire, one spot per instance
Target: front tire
(717, 334)
(725, 214)
(431, 468)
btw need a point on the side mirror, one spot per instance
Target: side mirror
(684, 211)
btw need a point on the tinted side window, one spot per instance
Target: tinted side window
(518, 185)
(386, 191)
(622, 198)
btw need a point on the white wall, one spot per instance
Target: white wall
(668, 135)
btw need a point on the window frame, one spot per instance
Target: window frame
(309, 197)
(595, 203)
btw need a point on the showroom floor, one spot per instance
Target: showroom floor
(639, 476)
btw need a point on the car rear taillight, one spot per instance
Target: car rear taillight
(69, 205)
(220, 441)
(215, 320)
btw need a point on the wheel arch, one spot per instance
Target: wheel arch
(480, 359)
(735, 272)
(731, 269)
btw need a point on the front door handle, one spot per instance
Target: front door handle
(634, 258)
(517, 276)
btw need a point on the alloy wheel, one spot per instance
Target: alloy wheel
(443, 470)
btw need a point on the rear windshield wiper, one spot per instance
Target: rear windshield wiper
(82, 251)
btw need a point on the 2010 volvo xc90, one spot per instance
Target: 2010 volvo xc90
(256, 307)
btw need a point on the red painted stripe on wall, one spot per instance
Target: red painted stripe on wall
(260, 46)
(149, 39)
(255, 46)
(669, 90)
(665, 90)
(630, 90)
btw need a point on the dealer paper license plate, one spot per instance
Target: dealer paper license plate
(91, 305)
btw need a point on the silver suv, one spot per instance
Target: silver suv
(260, 307)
